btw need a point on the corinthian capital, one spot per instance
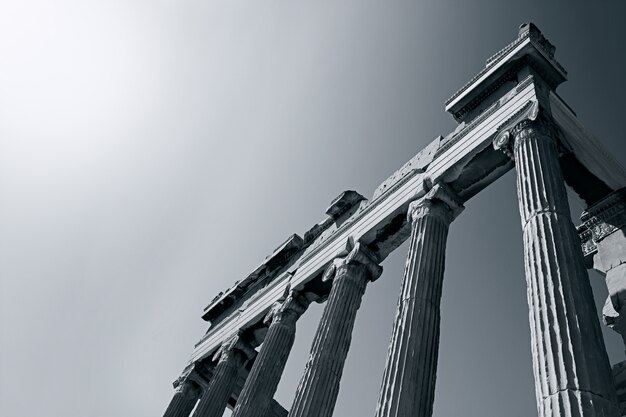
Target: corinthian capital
(439, 201)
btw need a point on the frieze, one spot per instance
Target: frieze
(465, 129)
(314, 232)
(326, 231)
(491, 62)
(419, 162)
(495, 76)
(510, 75)
(602, 219)
(363, 210)
(468, 128)
(282, 257)
(343, 203)
(586, 240)
(529, 111)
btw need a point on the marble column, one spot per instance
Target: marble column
(257, 394)
(408, 387)
(232, 356)
(571, 368)
(317, 392)
(184, 400)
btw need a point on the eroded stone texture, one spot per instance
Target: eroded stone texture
(619, 377)
(571, 368)
(408, 386)
(257, 394)
(603, 236)
(232, 357)
(184, 400)
(317, 392)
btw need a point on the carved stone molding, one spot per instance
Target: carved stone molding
(527, 123)
(261, 383)
(506, 131)
(408, 385)
(184, 400)
(359, 254)
(440, 200)
(288, 310)
(234, 345)
(318, 389)
(198, 372)
(539, 57)
(602, 219)
(571, 368)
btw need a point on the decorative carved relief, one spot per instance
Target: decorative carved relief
(360, 254)
(602, 219)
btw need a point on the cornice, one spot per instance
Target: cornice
(530, 49)
(484, 115)
(491, 63)
(602, 219)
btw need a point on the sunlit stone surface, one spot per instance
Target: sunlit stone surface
(571, 367)
(408, 386)
(318, 389)
(509, 116)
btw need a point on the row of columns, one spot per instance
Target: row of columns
(571, 369)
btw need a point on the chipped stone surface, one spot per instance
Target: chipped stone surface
(344, 202)
(318, 389)
(282, 256)
(530, 48)
(257, 394)
(571, 367)
(603, 239)
(619, 377)
(408, 386)
(571, 371)
(418, 163)
(185, 398)
(232, 356)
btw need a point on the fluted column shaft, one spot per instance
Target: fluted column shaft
(184, 400)
(215, 398)
(408, 387)
(260, 387)
(571, 368)
(317, 392)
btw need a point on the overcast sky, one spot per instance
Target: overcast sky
(154, 152)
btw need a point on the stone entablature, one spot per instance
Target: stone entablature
(381, 222)
(530, 49)
(604, 218)
(510, 118)
(341, 208)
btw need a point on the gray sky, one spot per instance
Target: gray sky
(153, 152)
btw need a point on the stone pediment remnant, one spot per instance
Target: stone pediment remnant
(509, 118)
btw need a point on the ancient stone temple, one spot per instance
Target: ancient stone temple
(509, 117)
